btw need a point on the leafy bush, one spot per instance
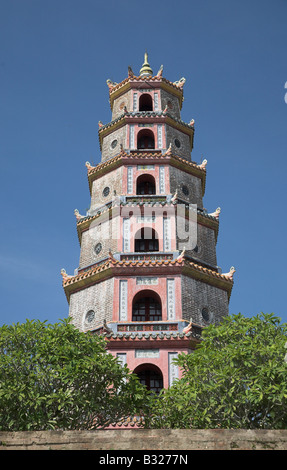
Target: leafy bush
(236, 378)
(53, 376)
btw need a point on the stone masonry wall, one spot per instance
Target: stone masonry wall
(98, 241)
(112, 180)
(167, 99)
(163, 440)
(178, 179)
(184, 150)
(120, 102)
(197, 296)
(91, 299)
(109, 149)
(206, 246)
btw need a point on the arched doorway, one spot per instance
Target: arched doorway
(150, 376)
(146, 306)
(145, 102)
(146, 240)
(145, 139)
(145, 184)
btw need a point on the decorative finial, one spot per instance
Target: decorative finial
(111, 84)
(89, 166)
(230, 274)
(65, 276)
(188, 328)
(146, 70)
(78, 215)
(174, 197)
(159, 73)
(179, 83)
(181, 256)
(203, 164)
(216, 213)
(130, 72)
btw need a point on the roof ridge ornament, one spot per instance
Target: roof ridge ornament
(179, 83)
(159, 73)
(146, 69)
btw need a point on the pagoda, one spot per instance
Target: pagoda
(148, 278)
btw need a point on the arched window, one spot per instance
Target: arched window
(145, 139)
(146, 239)
(145, 184)
(147, 306)
(150, 376)
(145, 102)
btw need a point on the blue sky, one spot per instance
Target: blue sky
(55, 58)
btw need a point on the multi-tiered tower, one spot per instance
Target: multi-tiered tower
(148, 277)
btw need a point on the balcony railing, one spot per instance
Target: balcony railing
(136, 326)
(147, 256)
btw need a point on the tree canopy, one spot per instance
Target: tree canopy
(55, 377)
(236, 378)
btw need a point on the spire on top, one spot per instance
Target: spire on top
(146, 69)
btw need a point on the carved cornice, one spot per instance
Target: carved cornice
(112, 267)
(145, 117)
(135, 157)
(84, 222)
(152, 82)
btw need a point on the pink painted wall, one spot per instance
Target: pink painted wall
(160, 289)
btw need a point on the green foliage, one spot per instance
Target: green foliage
(236, 378)
(55, 377)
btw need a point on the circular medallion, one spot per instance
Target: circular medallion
(205, 314)
(177, 143)
(98, 248)
(90, 316)
(185, 190)
(114, 144)
(106, 191)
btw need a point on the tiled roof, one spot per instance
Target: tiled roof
(114, 88)
(129, 422)
(83, 222)
(150, 335)
(141, 155)
(135, 156)
(120, 121)
(112, 267)
(143, 115)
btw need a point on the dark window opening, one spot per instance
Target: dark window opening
(145, 185)
(151, 380)
(150, 376)
(145, 140)
(147, 307)
(146, 240)
(145, 103)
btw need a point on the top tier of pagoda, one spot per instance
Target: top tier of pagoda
(146, 115)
